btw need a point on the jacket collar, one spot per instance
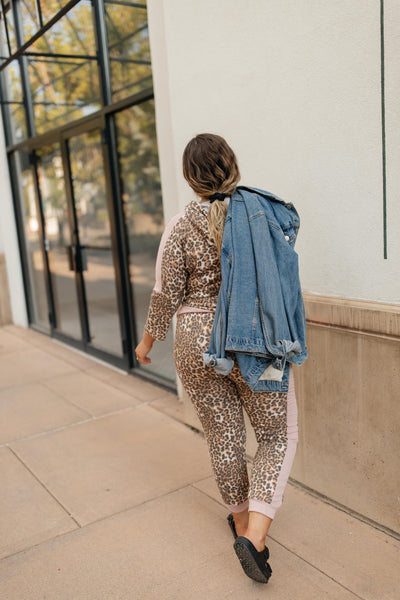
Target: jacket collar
(197, 216)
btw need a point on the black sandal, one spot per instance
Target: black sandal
(231, 524)
(254, 563)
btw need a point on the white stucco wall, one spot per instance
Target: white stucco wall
(9, 241)
(294, 86)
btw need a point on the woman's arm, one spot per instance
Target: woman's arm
(169, 290)
(143, 348)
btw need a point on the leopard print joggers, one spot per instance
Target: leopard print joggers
(219, 401)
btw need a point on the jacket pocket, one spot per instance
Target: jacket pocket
(290, 234)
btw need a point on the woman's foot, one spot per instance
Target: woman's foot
(231, 524)
(241, 521)
(257, 529)
(254, 563)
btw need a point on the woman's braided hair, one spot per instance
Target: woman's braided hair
(209, 166)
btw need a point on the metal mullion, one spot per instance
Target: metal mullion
(39, 12)
(32, 62)
(6, 28)
(56, 55)
(125, 3)
(76, 106)
(102, 51)
(83, 126)
(40, 33)
(44, 242)
(120, 243)
(73, 223)
(43, 138)
(130, 60)
(23, 65)
(5, 113)
(20, 226)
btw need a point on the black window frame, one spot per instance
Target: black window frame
(105, 115)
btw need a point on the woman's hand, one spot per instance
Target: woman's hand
(143, 348)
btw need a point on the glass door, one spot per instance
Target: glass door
(57, 241)
(90, 251)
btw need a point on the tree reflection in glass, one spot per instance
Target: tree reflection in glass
(143, 210)
(55, 213)
(89, 188)
(65, 88)
(14, 102)
(30, 18)
(30, 214)
(129, 49)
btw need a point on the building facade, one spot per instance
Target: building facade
(307, 95)
(79, 126)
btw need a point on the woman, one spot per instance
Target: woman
(188, 275)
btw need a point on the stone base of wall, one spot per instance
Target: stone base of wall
(348, 395)
(5, 306)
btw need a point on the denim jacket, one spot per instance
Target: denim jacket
(260, 312)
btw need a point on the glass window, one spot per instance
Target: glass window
(129, 49)
(9, 23)
(63, 70)
(58, 236)
(142, 202)
(94, 226)
(24, 181)
(13, 100)
(30, 17)
(49, 8)
(4, 53)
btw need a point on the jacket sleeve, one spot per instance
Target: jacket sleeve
(215, 355)
(169, 290)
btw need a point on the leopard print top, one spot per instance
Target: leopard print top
(190, 271)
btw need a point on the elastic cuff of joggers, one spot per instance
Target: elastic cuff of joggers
(262, 507)
(237, 508)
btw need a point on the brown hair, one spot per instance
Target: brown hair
(209, 166)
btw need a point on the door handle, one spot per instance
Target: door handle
(83, 256)
(71, 257)
(77, 259)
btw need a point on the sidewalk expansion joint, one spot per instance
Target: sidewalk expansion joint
(70, 426)
(44, 487)
(352, 513)
(317, 569)
(285, 547)
(82, 527)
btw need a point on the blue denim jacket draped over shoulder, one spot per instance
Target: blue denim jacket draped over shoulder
(260, 311)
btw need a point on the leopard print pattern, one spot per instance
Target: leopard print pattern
(219, 401)
(190, 272)
(216, 402)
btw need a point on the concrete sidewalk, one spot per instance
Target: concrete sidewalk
(107, 495)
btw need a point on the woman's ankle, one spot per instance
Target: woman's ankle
(256, 539)
(241, 520)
